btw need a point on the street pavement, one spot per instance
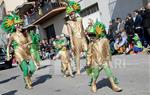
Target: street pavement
(133, 72)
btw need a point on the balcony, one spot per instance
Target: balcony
(35, 13)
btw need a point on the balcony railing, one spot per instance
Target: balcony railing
(38, 12)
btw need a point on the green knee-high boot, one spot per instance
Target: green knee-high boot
(95, 74)
(109, 73)
(113, 80)
(32, 67)
(24, 68)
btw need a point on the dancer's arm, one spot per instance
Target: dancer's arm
(70, 34)
(81, 28)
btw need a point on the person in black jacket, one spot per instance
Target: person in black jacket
(138, 25)
(129, 25)
(146, 23)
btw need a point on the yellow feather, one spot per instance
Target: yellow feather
(9, 22)
(99, 30)
(75, 7)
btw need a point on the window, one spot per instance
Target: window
(89, 10)
(50, 31)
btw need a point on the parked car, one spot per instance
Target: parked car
(2, 55)
(4, 64)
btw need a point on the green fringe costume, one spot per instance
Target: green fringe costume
(98, 62)
(22, 56)
(34, 48)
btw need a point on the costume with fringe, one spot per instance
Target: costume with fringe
(17, 40)
(98, 55)
(34, 47)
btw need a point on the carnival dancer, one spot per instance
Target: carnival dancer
(13, 24)
(76, 32)
(63, 54)
(98, 56)
(34, 48)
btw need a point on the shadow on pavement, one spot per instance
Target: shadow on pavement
(45, 66)
(10, 92)
(41, 79)
(5, 67)
(9, 79)
(103, 83)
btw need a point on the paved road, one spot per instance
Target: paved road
(132, 71)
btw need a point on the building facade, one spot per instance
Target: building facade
(105, 10)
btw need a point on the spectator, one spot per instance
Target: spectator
(129, 25)
(40, 11)
(111, 34)
(120, 25)
(54, 3)
(112, 29)
(42, 46)
(26, 20)
(146, 23)
(121, 41)
(137, 25)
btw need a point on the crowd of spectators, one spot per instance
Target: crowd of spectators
(131, 35)
(47, 47)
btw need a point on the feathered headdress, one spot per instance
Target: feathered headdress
(8, 23)
(72, 7)
(99, 29)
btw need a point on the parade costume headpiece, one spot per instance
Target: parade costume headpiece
(72, 7)
(99, 29)
(59, 43)
(9, 22)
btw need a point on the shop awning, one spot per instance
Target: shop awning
(29, 27)
(50, 14)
